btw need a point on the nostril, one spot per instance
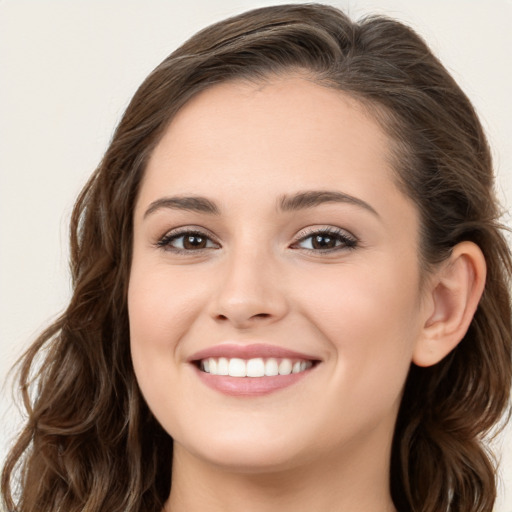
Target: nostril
(261, 315)
(257, 316)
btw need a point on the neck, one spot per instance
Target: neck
(325, 485)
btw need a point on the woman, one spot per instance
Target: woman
(290, 287)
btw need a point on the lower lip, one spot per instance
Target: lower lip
(250, 386)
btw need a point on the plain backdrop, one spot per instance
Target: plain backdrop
(68, 70)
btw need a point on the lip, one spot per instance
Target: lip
(231, 350)
(249, 386)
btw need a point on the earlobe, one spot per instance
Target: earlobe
(455, 292)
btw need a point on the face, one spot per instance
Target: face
(270, 240)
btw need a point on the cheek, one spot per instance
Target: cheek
(161, 307)
(160, 303)
(371, 319)
(359, 298)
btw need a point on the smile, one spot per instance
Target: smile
(256, 367)
(251, 370)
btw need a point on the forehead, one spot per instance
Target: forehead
(256, 113)
(271, 137)
(307, 109)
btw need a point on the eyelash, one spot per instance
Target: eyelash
(166, 241)
(343, 240)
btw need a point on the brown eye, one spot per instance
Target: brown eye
(187, 241)
(323, 242)
(327, 240)
(191, 242)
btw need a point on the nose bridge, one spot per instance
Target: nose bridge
(250, 287)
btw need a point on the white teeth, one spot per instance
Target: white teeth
(285, 367)
(296, 367)
(223, 366)
(257, 367)
(237, 368)
(271, 367)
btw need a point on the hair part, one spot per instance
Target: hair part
(91, 443)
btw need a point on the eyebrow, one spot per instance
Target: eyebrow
(193, 204)
(312, 198)
(287, 203)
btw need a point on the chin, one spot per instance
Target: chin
(250, 453)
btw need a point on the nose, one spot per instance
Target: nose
(251, 292)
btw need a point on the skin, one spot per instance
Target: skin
(324, 442)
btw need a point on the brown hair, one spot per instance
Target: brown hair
(91, 443)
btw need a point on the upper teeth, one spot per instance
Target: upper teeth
(257, 367)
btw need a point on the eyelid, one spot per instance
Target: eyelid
(349, 240)
(163, 242)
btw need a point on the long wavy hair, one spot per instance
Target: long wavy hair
(90, 442)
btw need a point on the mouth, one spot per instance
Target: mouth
(255, 367)
(251, 370)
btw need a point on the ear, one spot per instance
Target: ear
(453, 296)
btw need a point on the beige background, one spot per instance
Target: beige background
(67, 71)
